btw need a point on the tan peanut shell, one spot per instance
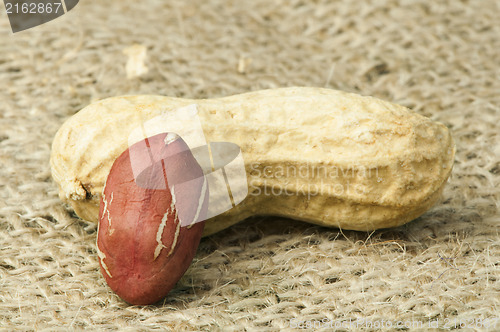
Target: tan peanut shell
(323, 156)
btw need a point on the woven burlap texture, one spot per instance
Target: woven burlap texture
(440, 58)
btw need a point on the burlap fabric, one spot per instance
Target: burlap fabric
(441, 58)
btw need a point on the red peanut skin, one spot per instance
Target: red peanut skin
(130, 219)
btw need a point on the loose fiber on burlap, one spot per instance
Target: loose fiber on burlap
(440, 58)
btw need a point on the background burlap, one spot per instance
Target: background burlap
(440, 58)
